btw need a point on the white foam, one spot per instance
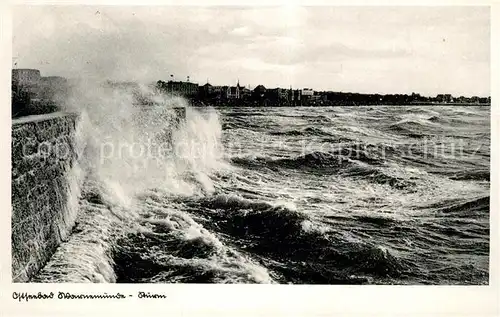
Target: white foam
(128, 145)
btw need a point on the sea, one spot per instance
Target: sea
(289, 195)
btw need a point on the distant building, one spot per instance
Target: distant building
(297, 93)
(277, 95)
(316, 97)
(182, 88)
(283, 94)
(219, 89)
(259, 91)
(444, 98)
(205, 91)
(245, 93)
(233, 92)
(272, 94)
(307, 93)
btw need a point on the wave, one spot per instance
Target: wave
(423, 110)
(437, 119)
(378, 176)
(183, 221)
(292, 244)
(472, 174)
(377, 220)
(477, 206)
(241, 217)
(413, 128)
(337, 139)
(311, 118)
(309, 131)
(168, 258)
(465, 111)
(366, 153)
(457, 173)
(244, 114)
(288, 133)
(243, 122)
(340, 158)
(349, 163)
(174, 246)
(315, 160)
(233, 202)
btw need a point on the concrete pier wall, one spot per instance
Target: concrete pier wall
(46, 180)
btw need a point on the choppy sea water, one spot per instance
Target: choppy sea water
(337, 195)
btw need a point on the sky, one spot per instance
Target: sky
(428, 50)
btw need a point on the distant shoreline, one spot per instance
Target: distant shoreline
(247, 105)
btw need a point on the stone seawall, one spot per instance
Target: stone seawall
(46, 180)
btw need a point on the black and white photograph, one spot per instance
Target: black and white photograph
(290, 144)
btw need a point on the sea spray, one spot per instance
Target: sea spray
(135, 145)
(146, 151)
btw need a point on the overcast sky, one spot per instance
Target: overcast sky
(359, 49)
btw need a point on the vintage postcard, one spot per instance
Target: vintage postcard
(162, 150)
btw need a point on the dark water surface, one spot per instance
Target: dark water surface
(344, 195)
